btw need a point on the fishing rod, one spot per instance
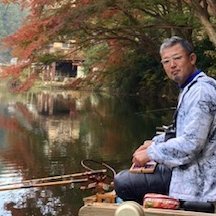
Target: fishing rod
(156, 110)
(40, 182)
(94, 162)
(161, 109)
(96, 177)
(44, 184)
(100, 182)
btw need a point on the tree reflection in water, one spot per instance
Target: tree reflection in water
(49, 133)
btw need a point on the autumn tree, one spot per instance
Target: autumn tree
(126, 32)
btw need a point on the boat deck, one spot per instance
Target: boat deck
(103, 208)
(108, 209)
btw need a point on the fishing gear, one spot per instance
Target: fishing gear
(22, 185)
(52, 181)
(94, 178)
(100, 182)
(96, 163)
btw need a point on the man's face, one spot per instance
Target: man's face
(177, 63)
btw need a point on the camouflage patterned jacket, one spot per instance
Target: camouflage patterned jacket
(192, 154)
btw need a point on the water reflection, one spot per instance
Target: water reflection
(49, 133)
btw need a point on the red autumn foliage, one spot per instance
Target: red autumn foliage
(47, 20)
(34, 36)
(38, 30)
(13, 70)
(24, 86)
(50, 21)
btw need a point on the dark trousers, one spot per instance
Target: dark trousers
(133, 186)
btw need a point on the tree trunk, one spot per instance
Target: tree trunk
(212, 7)
(202, 11)
(208, 28)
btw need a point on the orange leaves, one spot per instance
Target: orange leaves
(39, 30)
(9, 1)
(32, 37)
(26, 85)
(45, 21)
(13, 70)
(22, 39)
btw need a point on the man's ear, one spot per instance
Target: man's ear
(193, 58)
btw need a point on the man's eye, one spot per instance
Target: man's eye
(166, 61)
(176, 58)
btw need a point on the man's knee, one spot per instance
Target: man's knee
(120, 185)
(131, 186)
(127, 186)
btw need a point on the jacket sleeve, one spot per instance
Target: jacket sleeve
(159, 138)
(194, 120)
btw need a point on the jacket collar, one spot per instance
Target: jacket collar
(189, 79)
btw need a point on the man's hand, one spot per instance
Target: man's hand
(140, 158)
(145, 145)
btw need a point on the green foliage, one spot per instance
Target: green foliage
(95, 56)
(206, 55)
(212, 69)
(142, 25)
(49, 58)
(130, 76)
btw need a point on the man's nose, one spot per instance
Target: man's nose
(172, 63)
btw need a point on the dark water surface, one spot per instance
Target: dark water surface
(49, 133)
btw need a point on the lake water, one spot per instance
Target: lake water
(49, 133)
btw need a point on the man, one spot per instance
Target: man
(186, 163)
